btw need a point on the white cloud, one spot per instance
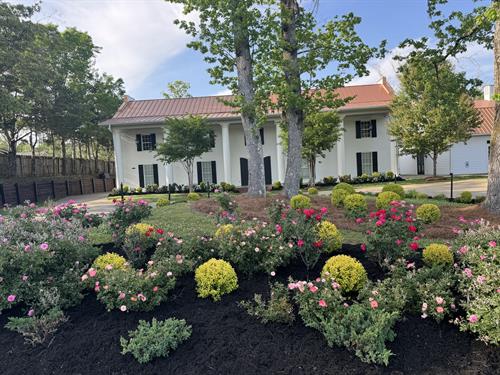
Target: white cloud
(223, 92)
(136, 36)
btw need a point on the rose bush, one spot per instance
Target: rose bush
(125, 214)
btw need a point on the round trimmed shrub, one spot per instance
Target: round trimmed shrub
(437, 254)
(395, 188)
(338, 197)
(330, 235)
(109, 261)
(300, 201)
(355, 205)
(421, 195)
(466, 197)
(223, 230)
(429, 213)
(348, 272)
(193, 197)
(312, 191)
(385, 198)
(162, 202)
(139, 228)
(215, 278)
(344, 186)
(277, 185)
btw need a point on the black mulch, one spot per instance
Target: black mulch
(226, 340)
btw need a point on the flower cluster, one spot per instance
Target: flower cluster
(73, 211)
(125, 214)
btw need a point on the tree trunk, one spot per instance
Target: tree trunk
(64, 169)
(54, 172)
(312, 171)
(492, 201)
(188, 166)
(11, 158)
(73, 162)
(434, 164)
(96, 158)
(33, 142)
(294, 115)
(256, 180)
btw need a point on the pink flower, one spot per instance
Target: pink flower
(335, 285)
(24, 278)
(279, 228)
(123, 308)
(473, 318)
(92, 272)
(81, 238)
(155, 289)
(481, 279)
(11, 298)
(414, 246)
(44, 246)
(463, 250)
(108, 267)
(468, 272)
(300, 243)
(27, 248)
(31, 312)
(359, 220)
(322, 303)
(373, 304)
(121, 295)
(84, 277)
(313, 288)
(323, 210)
(412, 228)
(492, 244)
(439, 300)
(379, 223)
(363, 247)
(399, 242)
(439, 309)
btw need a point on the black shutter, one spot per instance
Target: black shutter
(155, 174)
(212, 140)
(244, 171)
(141, 175)
(138, 142)
(198, 168)
(358, 129)
(375, 161)
(245, 139)
(374, 128)
(267, 170)
(261, 130)
(358, 163)
(153, 141)
(214, 172)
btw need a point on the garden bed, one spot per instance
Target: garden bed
(226, 340)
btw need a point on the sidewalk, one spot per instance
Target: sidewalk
(96, 203)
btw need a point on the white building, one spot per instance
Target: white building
(365, 146)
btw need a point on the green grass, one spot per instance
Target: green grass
(153, 198)
(100, 235)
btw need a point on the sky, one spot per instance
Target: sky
(140, 43)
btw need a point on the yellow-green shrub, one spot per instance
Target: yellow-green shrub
(300, 201)
(395, 188)
(385, 198)
(114, 260)
(330, 235)
(355, 205)
(162, 202)
(348, 272)
(312, 191)
(344, 186)
(466, 197)
(223, 230)
(215, 278)
(139, 228)
(428, 213)
(193, 196)
(338, 197)
(437, 254)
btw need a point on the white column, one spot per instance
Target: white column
(280, 162)
(169, 169)
(341, 150)
(117, 146)
(394, 158)
(226, 153)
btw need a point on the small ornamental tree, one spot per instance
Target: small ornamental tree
(177, 89)
(188, 138)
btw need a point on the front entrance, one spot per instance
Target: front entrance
(420, 164)
(244, 171)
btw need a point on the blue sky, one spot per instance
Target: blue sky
(140, 43)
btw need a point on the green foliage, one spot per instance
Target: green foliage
(177, 89)
(385, 198)
(429, 213)
(215, 278)
(300, 202)
(140, 242)
(109, 261)
(344, 186)
(328, 233)
(277, 309)
(338, 197)
(348, 272)
(277, 185)
(355, 205)
(312, 191)
(395, 188)
(437, 254)
(193, 197)
(125, 214)
(465, 197)
(155, 339)
(162, 202)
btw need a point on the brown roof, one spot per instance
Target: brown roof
(156, 110)
(486, 109)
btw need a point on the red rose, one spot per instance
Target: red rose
(414, 246)
(412, 228)
(160, 231)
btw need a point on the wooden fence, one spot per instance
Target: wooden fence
(38, 192)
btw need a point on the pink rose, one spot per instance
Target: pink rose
(322, 303)
(313, 288)
(300, 243)
(363, 247)
(44, 246)
(373, 304)
(439, 300)
(439, 309)
(468, 272)
(481, 279)
(473, 318)
(11, 298)
(31, 312)
(92, 272)
(121, 295)
(492, 244)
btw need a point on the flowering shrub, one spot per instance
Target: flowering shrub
(355, 205)
(215, 278)
(385, 199)
(125, 214)
(223, 230)
(228, 207)
(330, 235)
(479, 281)
(140, 242)
(348, 272)
(109, 261)
(429, 213)
(437, 254)
(72, 211)
(338, 196)
(193, 197)
(312, 191)
(392, 233)
(395, 188)
(344, 186)
(300, 202)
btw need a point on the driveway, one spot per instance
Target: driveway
(96, 203)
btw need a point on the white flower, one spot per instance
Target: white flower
(123, 308)
(169, 273)
(273, 273)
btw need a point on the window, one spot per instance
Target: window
(149, 175)
(366, 129)
(366, 163)
(145, 142)
(261, 131)
(305, 169)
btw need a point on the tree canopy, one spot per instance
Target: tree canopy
(177, 89)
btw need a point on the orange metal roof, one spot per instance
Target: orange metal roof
(486, 109)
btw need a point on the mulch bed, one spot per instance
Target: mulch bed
(226, 340)
(250, 208)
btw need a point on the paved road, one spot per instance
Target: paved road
(96, 203)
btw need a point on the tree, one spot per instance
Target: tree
(177, 89)
(433, 110)
(321, 132)
(188, 137)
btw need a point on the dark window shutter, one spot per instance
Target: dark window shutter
(155, 174)
(153, 141)
(198, 168)
(261, 135)
(214, 172)
(374, 128)
(245, 139)
(138, 142)
(358, 163)
(212, 140)
(141, 175)
(358, 129)
(375, 161)
(244, 171)
(267, 170)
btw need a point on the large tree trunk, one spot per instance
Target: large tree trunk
(492, 202)
(256, 181)
(294, 115)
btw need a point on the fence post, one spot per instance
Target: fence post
(53, 187)
(16, 186)
(67, 187)
(2, 196)
(35, 192)
(81, 187)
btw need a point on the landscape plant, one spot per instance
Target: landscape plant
(215, 278)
